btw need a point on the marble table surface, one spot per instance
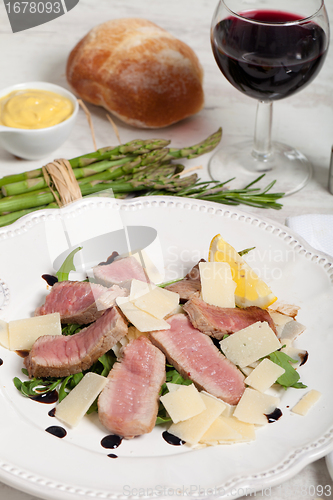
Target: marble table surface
(304, 120)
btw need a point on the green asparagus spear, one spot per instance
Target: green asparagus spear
(148, 169)
(43, 197)
(7, 179)
(13, 216)
(168, 185)
(198, 149)
(30, 185)
(136, 147)
(154, 157)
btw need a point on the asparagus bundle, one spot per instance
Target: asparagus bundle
(137, 167)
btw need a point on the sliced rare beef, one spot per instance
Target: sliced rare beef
(218, 321)
(79, 302)
(195, 357)
(188, 287)
(194, 274)
(120, 272)
(60, 355)
(128, 405)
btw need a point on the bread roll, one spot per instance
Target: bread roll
(137, 71)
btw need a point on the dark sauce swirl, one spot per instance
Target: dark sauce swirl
(47, 397)
(111, 441)
(274, 416)
(50, 280)
(57, 431)
(171, 439)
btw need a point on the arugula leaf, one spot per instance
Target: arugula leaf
(104, 364)
(167, 283)
(162, 416)
(107, 360)
(17, 383)
(67, 266)
(93, 407)
(175, 378)
(36, 387)
(68, 383)
(290, 377)
(71, 329)
(62, 390)
(299, 385)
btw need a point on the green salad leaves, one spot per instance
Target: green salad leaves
(37, 386)
(290, 377)
(175, 378)
(67, 266)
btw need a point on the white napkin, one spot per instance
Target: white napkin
(316, 229)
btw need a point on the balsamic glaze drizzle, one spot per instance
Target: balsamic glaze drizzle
(110, 259)
(47, 398)
(171, 439)
(274, 416)
(112, 455)
(111, 441)
(304, 358)
(51, 413)
(50, 280)
(1, 361)
(22, 353)
(57, 431)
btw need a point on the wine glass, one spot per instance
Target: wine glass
(267, 49)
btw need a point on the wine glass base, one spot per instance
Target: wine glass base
(288, 167)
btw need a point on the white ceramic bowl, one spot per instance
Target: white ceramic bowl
(37, 143)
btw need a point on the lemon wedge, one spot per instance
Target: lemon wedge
(250, 289)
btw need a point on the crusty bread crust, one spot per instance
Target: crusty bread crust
(137, 71)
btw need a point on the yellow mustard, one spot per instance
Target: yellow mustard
(34, 108)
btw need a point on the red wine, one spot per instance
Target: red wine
(265, 61)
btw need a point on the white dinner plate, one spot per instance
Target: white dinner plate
(176, 233)
(329, 463)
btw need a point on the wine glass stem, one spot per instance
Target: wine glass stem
(262, 148)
